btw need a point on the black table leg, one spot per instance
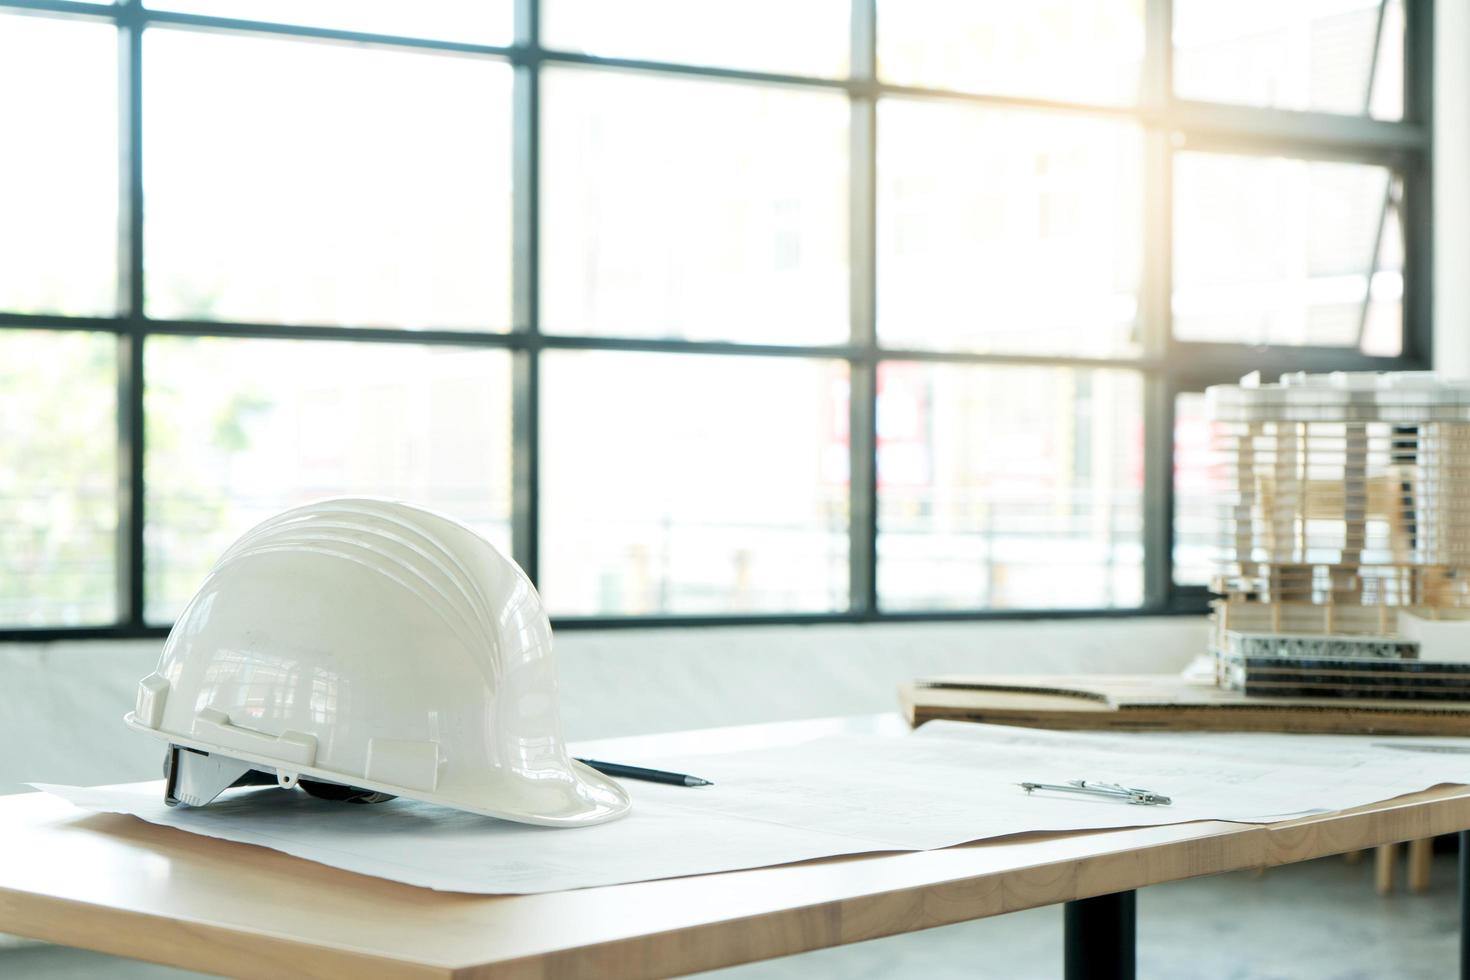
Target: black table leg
(1465, 905)
(1101, 934)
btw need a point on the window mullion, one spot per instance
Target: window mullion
(1417, 213)
(1156, 95)
(130, 416)
(526, 286)
(862, 370)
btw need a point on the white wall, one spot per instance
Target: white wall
(61, 704)
(1451, 306)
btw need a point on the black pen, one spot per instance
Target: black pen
(650, 775)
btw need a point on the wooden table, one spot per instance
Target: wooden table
(116, 884)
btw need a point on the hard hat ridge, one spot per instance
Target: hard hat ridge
(397, 551)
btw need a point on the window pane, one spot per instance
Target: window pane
(58, 176)
(58, 478)
(812, 37)
(1053, 49)
(1196, 493)
(239, 430)
(1324, 55)
(698, 209)
(470, 21)
(345, 185)
(1276, 251)
(1009, 487)
(1007, 231)
(679, 483)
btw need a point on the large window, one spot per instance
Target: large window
(703, 311)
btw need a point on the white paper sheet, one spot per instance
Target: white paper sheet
(946, 784)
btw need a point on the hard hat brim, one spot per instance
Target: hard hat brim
(583, 797)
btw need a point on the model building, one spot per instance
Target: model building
(1344, 517)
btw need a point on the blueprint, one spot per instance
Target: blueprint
(945, 784)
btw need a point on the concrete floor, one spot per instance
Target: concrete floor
(1316, 921)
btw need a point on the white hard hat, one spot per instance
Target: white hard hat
(373, 645)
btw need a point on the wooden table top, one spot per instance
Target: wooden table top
(113, 883)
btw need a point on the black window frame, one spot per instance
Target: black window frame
(1167, 366)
